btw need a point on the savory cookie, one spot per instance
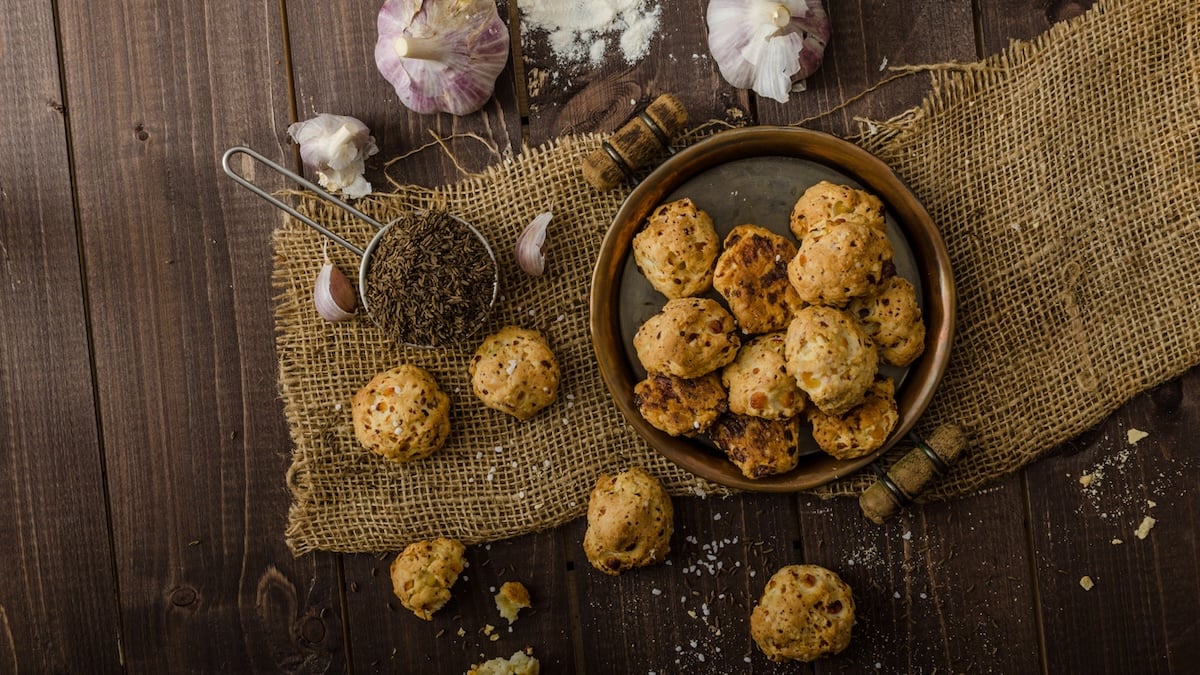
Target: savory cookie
(757, 446)
(423, 574)
(629, 522)
(752, 276)
(892, 318)
(512, 598)
(826, 201)
(837, 263)
(520, 663)
(862, 430)
(515, 372)
(832, 359)
(805, 612)
(690, 337)
(401, 414)
(678, 406)
(758, 380)
(676, 248)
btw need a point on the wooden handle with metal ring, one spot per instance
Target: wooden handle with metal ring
(637, 143)
(911, 474)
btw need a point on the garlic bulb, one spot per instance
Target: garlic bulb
(333, 296)
(441, 55)
(336, 147)
(530, 258)
(769, 46)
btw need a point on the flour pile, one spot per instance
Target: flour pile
(582, 31)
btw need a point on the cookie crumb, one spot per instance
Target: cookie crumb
(1086, 479)
(1086, 582)
(1135, 435)
(1143, 530)
(1116, 541)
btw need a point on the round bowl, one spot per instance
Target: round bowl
(754, 175)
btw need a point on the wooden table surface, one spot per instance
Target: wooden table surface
(143, 447)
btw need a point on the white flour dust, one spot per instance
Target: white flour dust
(587, 30)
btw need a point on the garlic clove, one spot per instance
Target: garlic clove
(529, 254)
(336, 148)
(333, 295)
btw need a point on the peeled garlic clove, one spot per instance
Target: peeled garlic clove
(333, 295)
(336, 148)
(529, 245)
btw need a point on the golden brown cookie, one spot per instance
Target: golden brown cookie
(515, 372)
(630, 521)
(826, 201)
(806, 612)
(837, 263)
(401, 414)
(832, 359)
(864, 429)
(678, 406)
(423, 574)
(512, 598)
(758, 447)
(758, 380)
(690, 337)
(676, 248)
(520, 663)
(892, 318)
(751, 275)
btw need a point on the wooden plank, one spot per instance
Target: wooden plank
(567, 96)
(1143, 608)
(387, 638)
(57, 609)
(333, 61)
(178, 281)
(1002, 21)
(868, 38)
(944, 586)
(691, 614)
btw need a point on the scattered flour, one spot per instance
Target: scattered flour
(578, 31)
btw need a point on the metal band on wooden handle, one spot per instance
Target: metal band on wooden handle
(911, 475)
(637, 143)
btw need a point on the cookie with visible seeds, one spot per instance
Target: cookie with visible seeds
(676, 248)
(805, 612)
(758, 380)
(752, 276)
(838, 263)
(688, 338)
(828, 202)
(832, 359)
(401, 414)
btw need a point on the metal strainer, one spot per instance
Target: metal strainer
(366, 254)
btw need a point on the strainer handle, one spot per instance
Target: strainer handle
(302, 181)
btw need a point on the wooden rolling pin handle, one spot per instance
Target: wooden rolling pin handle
(908, 477)
(636, 143)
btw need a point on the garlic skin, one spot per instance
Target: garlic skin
(529, 254)
(770, 46)
(336, 147)
(333, 296)
(441, 55)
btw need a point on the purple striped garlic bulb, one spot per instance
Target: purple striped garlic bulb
(770, 46)
(441, 55)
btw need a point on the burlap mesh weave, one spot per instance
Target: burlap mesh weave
(1063, 174)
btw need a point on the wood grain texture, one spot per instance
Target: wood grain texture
(943, 586)
(868, 38)
(691, 614)
(178, 288)
(333, 60)
(1143, 605)
(571, 96)
(57, 606)
(1002, 22)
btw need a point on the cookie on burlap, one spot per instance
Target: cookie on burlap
(688, 338)
(676, 248)
(630, 522)
(892, 317)
(864, 428)
(679, 406)
(827, 201)
(423, 574)
(759, 447)
(751, 275)
(515, 372)
(805, 612)
(520, 663)
(837, 263)
(758, 380)
(401, 414)
(832, 359)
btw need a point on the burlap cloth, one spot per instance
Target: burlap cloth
(1063, 174)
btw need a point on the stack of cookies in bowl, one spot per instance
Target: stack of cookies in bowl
(765, 337)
